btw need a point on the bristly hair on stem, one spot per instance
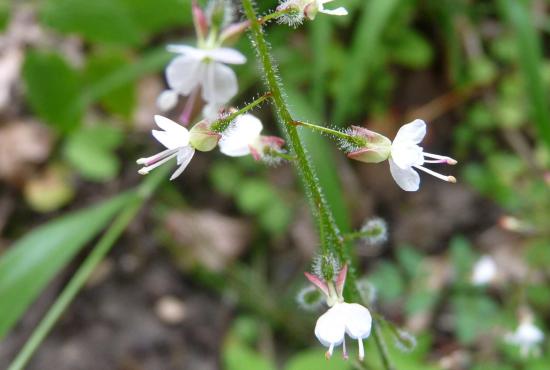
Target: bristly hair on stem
(332, 238)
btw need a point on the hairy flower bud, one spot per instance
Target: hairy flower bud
(377, 147)
(202, 138)
(310, 298)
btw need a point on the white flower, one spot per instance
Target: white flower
(309, 8)
(485, 270)
(527, 336)
(204, 68)
(176, 140)
(407, 155)
(244, 137)
(343, 318)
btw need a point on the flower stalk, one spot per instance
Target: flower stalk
(223, 123)
(332, 240)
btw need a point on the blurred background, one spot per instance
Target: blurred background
(206, 276)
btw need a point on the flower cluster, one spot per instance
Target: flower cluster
(243, 137)
(201, 73)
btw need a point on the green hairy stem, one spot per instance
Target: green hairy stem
(331, 238)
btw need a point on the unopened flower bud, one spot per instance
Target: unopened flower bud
(375, 231)
(404, 340)
(220, 13)
(199, 20)
(310, 298)
(377, 147)
(202, 138)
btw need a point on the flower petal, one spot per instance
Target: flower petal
(186, 50)
(173, 135)
(338, 11)
(406, 154)
(184, 157)
(358, 320)
(412, 132)
(226, 55)
(236, 140)
(183, 74)
(331, 327)
(407, 179)
(219, 83)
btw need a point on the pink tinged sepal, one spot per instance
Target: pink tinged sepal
(341, 280)
(377, 148)
(264, 145)
(317, 282)
(202, 138)
(199, 20)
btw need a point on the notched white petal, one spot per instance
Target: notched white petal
(358, 320)
(412, 132)
(407, 179)
(183, 74)
(227, 55)
(219, 83)
(331, 327)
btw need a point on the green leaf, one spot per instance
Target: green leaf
(462, 257)
(530, 60)
(90, 151)
(32, 262)
(387, 278)
(255, 195)
(122, 99)
(474, 315)
(119, 22)
(107, 21)
(315, 359)
(363, 52)
(238, 356)
(411, 50)
(152, 16)
(52, 85)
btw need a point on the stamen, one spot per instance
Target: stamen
(445, 159)
(361, 349)
(328, 354)
(154, 158)
(146, 170)
(438, 175)
(436, 161)
(344, 349)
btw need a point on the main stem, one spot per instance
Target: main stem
(332, 239)
(320, 207)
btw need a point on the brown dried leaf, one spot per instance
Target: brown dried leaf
(23, 145)
(207, 237)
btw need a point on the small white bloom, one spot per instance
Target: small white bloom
(485, 270)
(243, 135)
(204, 68)
(176, 140)
(527, 336)
(407, 155)
(309, 8)
(341, 318)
